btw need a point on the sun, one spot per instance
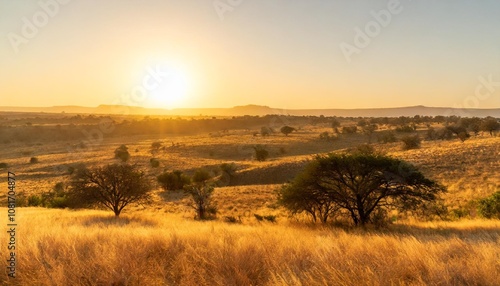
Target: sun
(172, 89)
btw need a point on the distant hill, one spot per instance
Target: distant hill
(262, 110)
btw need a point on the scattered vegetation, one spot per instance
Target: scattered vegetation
(122, 153)
(411, 142)
(261, 153)
(173, 181)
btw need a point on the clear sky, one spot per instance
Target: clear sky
(280, 53)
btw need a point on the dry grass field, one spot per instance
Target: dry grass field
(61, 247)
(161, 243)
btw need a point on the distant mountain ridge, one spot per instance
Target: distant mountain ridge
(259, 110)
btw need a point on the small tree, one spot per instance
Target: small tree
(357, 185)
(265, 131)
(112, 187)
(155, 147)
(201, 200)
(201, 195)
(411, 142)
(261, 154)
(490, 125)
(287, 130)
(122, 153)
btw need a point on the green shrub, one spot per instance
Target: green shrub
(261, 154)
(33, 160)
(172, 181)
(34, 201)
(3, 165)
(411, 142)
(200, 176)
(490, 207)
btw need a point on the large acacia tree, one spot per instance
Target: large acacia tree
(112, 187)
(357, 185)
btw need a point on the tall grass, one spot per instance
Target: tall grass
(61, 247)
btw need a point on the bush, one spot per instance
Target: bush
(122, 153)
(265, 131)
(411, 142)
(155, 163)
(3, 165)
(33, 160)
(490, 207)
(325, 136)
(200, 176)
(387, 137)
(287, 130)
(406, 129)
(34, 201)
(172, 181)
(349, 129)
(261, 154)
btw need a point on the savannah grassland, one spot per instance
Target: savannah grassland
(161, 243)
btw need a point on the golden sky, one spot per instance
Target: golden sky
(284, 54)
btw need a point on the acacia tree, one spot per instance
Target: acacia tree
(490, 124)
(357, 185)
(112, 187)
(287, 130)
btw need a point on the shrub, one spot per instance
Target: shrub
(228, 168)
(490, 207)
(411, 142)
(122, 153)
(34, 201)
(172, 181)
(387, 137)
(406, 129)
(261, 154)
(155, 163)
(287, 130)
(3, 165)
(265, 131)
(200, 176)
(325, 136)
(33, 160)
(349, 129)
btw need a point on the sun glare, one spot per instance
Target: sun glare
(172, 90)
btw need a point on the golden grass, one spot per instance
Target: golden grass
(61, 247)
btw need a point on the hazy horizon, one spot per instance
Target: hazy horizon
(221, 54)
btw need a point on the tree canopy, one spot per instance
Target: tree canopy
(112, 187)
(356, 185)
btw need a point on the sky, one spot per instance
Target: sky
(225, 53)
